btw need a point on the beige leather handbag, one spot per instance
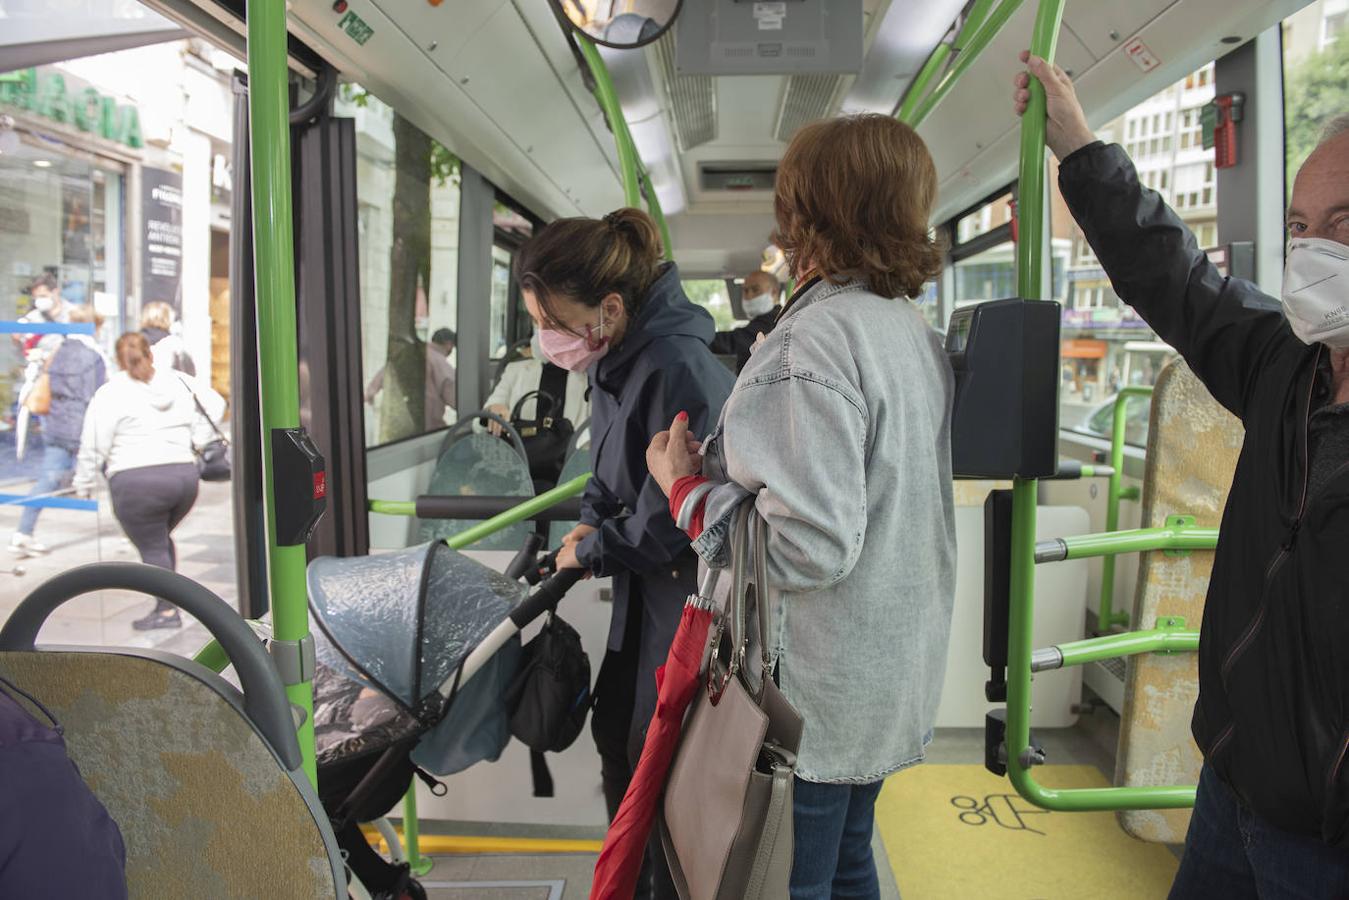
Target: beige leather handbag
(727, 813)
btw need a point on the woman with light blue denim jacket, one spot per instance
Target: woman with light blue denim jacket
(838, 430)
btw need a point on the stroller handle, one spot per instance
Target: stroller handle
(533, 606)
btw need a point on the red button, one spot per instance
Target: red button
(320, 485)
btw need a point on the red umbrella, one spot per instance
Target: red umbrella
(625, 843)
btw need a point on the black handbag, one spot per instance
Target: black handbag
(547, 436)
(549, 697)
(213, 460)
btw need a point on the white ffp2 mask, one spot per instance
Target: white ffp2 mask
(757, 306)
(1316, 291)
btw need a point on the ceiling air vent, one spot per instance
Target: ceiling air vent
(737, 176)
(692, 98)
(807, 98)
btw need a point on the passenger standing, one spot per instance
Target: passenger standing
(142, 429)
(440, 384)
(1271, 818)
(606, 304)
(166, 345)
(75, 372)
(839, 433)
(760, 302)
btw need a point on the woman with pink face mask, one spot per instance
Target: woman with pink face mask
(605, 303)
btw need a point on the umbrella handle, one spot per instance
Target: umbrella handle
(703, 598)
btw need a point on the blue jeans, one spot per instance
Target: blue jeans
(832, 836)
(1232, 854)
(57, 465)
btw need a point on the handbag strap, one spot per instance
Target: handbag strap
(539, 415)
(201, 409)
(774, 815)
(762, 593)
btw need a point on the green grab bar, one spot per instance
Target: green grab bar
(1138, 540)
(965, 59)
(608, 100)
(528, 509)
(1030, 270)
(394, 507)
(1169, 639)
(1106, 615)
(278, 364)
(939, 56)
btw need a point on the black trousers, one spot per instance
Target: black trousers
(149, 502)
(619, 738)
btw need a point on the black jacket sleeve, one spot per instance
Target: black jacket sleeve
(735, 342)
(1227, 329)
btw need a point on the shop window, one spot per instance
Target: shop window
(407, 185)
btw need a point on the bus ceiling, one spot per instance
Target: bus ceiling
(500, 82)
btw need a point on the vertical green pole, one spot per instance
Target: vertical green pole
(412, 841)
(1105, 614)
(269, 125)
(1030, 283)
(608, 100)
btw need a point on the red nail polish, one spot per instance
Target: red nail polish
(682, 417)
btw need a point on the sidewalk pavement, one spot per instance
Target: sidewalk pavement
(205, 542)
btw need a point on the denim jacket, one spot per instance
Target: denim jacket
(839, 428)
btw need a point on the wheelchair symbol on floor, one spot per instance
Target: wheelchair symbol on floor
(1004, 810)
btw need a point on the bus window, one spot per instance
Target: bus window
(1106, 345)
(1315, 76)
(982, 254)
(710, 294)
(407, 184)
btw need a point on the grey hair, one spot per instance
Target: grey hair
(1334, 128)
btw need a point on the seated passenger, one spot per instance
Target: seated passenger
(760, 303)
(839, 432)
(1272, 814)
(56, 839)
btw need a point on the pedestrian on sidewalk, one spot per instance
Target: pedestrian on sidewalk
(76, 371)
(160, 327)
(142, 430)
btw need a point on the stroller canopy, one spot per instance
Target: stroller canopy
(396, 626)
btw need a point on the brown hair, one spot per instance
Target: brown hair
(588, 259)
(133, 356)
(84, 312)
(853, 198)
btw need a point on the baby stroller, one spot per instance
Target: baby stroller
(414, 652)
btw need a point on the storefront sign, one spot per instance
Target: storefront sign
(162, 249)
(64, 99)
(1082, 349)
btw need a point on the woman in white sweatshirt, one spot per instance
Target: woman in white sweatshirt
(141, 430)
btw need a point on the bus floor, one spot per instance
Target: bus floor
(474, 871)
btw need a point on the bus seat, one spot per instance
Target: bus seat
(479, 464)
(578, 463)
(1193, 445)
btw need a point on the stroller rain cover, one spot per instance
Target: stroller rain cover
(389, 629)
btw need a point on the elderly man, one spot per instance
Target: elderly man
(760, 302)
(1272, 720)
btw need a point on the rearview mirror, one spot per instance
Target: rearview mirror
(622, 24)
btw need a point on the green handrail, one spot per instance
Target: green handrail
(608, 100)
(964, 60)
(1030, 272)
(269, 138)
(526, 510)
(1172, 537)
(939, 56)
(1106, 615)
(1166, 638)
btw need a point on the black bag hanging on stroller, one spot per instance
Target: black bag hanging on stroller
(550, 696)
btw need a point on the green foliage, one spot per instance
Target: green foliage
(1314, 92)
(444, 164)
(710, 294)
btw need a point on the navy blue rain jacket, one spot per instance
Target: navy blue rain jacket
(662, 367)
(56, 839)
(76, 372)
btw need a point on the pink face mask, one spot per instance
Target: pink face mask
(573, 352)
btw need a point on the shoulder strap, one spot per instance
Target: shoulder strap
(553, 382)
(201, 409)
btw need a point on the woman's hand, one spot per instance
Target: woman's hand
(673, 454)
(493, 425)
(566, 554)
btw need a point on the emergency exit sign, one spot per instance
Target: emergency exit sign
(1140, 55)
